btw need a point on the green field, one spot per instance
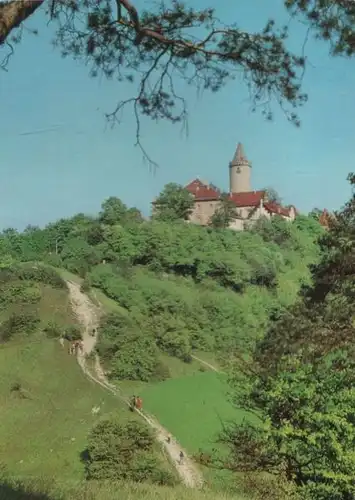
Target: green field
(45, 432)
(192, 408)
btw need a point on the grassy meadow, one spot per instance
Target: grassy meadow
(192, 408)
(45, 399)
(44, 429)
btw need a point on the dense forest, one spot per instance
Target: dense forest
(183, 287)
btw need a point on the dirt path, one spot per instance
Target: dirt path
(207, 364)
(89, 314)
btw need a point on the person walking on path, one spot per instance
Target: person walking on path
(133, 403)
(181, 458)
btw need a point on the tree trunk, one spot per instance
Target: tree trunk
(13, 13)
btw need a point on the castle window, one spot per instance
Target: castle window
(238, 170)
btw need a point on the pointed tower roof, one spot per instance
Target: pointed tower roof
(239, 157)
(239, 153)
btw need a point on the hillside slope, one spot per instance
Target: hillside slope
(47, 403)
(183, 287)
(88, 315)
(178, 300)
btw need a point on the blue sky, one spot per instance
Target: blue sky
(78, 164)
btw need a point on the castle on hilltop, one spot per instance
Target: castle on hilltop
(250, 205)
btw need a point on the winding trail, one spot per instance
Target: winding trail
(213, 368)
(88, 314)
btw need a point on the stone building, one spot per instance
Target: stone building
(250, 205)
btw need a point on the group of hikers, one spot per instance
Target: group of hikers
(136, 403)
(76, 346)
(181, 454)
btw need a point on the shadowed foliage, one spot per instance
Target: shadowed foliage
(15, 491)
(300, 381)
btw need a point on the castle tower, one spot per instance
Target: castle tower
(239, 172)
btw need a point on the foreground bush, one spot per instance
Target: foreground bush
(124, 451)
(259, 487)
(17, 323)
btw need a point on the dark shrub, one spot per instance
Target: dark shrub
(124, 452)
(24, 322)
(161, 372)
(72, 333)
(163, 478)
(53, 330)
(6, 275)
(40, 273)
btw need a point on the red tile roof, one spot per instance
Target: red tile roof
(275, 208)
(202, 191)
(205, 192)
(249, 199)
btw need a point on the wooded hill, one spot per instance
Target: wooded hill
(184, 287)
